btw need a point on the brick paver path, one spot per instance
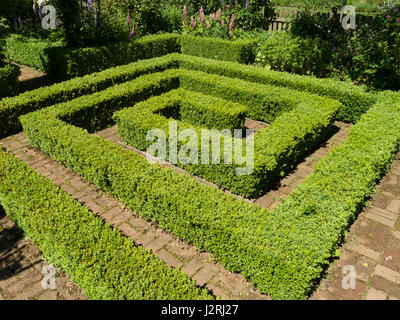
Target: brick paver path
(372, 246)
(31, 79)
(21, 266)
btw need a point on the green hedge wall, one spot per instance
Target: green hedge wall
(263, 102)
(69, 62)
(12, 108)
(9, 84)
(356, 100)
(64, 62)
(98, 258)
(190, 107)
(242, 51)
(283, 252)
(328, 201)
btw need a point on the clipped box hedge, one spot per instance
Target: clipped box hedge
(9, 84)
(29, 51)
(242, 51)
(63, 63)
(189, 107)
(283, 252)
(97, 257)
(12, 108)
(356, 100)
(67, 63)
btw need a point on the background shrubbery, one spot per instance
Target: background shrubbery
(319, 45)
(297, 54)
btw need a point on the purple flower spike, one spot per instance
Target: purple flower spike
(132, 32)
(185, 14)
(202, 15)
(219, 13)
(89, 5)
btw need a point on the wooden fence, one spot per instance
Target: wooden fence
(282, 19)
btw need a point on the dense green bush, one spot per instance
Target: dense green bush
(75, 62)
(9, 83)
(354, 99)
(172, 18)
(97, 257)
(303, 56)
(243, 51)
(29, 51)
(67, 62)
(227, 19)
(283, 252)
(190, 107)
(12, 108)
(369, 54)
(4, 29)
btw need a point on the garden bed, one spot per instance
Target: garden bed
(283, 252)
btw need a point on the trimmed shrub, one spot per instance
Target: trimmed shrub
(29, 51)
(328, 201)
(264, 102)
(75, 62)
(195, 108)
(278, 148)
(68, 62)
(356, 100)
(9, 83)
(283, 252)
(12, 108)
(98, 258)
(242, 51)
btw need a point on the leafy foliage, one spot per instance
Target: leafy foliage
(367, 55)
(12, 108)
(98, 258)
(355, 100)
(67, 62)
(9, 83)
(299, 122)
(304, 56)
(283, 252)
(243, 51)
